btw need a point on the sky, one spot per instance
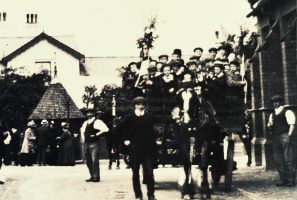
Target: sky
(111, 27)
(104, 28)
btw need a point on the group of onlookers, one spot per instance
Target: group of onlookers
(46, 144)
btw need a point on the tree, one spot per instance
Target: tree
(90, 95)
(245, 43)
(19, 95)
(123, 99)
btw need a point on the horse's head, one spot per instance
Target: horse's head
(181, 113)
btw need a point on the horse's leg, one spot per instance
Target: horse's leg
(217, 163)
(187, 171)
(185, 158)
(204, 187)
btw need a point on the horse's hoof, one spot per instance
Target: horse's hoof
(205, 196)
(186, 197)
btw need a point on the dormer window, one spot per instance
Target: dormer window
(31, 18)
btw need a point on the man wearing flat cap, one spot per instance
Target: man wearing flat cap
(137, 130)
(212, 53)
(163, 58)
(282, 124)
(198, 51)
(91, 129)
(234, 79)
(194, 58)
(193, 68)
(222, 54)
(217, 85)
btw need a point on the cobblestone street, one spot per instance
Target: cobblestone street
(55, 183)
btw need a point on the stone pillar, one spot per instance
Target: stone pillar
(256, 115)
(271, 83)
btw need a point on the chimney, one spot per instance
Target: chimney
(31, 18)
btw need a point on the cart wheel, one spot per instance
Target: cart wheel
(229, 165)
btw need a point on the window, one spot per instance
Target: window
(289, 26)
(44, 66)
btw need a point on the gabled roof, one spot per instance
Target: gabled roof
(56, 104)
(35, 40)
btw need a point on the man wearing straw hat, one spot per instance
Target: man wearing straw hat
(91, 129)
(42, 134)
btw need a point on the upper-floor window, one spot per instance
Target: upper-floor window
(289, 26)
(3, 16)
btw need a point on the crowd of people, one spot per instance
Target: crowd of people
(44, 144)
(213, 74)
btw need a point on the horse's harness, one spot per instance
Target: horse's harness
(199, 117)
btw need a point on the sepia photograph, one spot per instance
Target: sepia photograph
(148, 99)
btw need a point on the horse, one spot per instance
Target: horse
(196, 133)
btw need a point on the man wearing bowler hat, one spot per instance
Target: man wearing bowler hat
(91, 129)
(282, 124)
(177, 57)
(137, 130)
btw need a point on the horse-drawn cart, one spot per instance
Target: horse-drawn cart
(229, 112)
(200, 141)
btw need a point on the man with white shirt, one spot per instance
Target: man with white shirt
(282, 124)
(91, 129)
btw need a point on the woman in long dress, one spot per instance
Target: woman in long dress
(28, 146)
(66, 152)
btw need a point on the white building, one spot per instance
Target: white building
(27, 49)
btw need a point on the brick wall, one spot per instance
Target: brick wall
(271, 71)
(274, 71)
(290, 67)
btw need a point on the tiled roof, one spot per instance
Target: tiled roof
(54, 105)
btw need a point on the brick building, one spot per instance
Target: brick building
(273, 68)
